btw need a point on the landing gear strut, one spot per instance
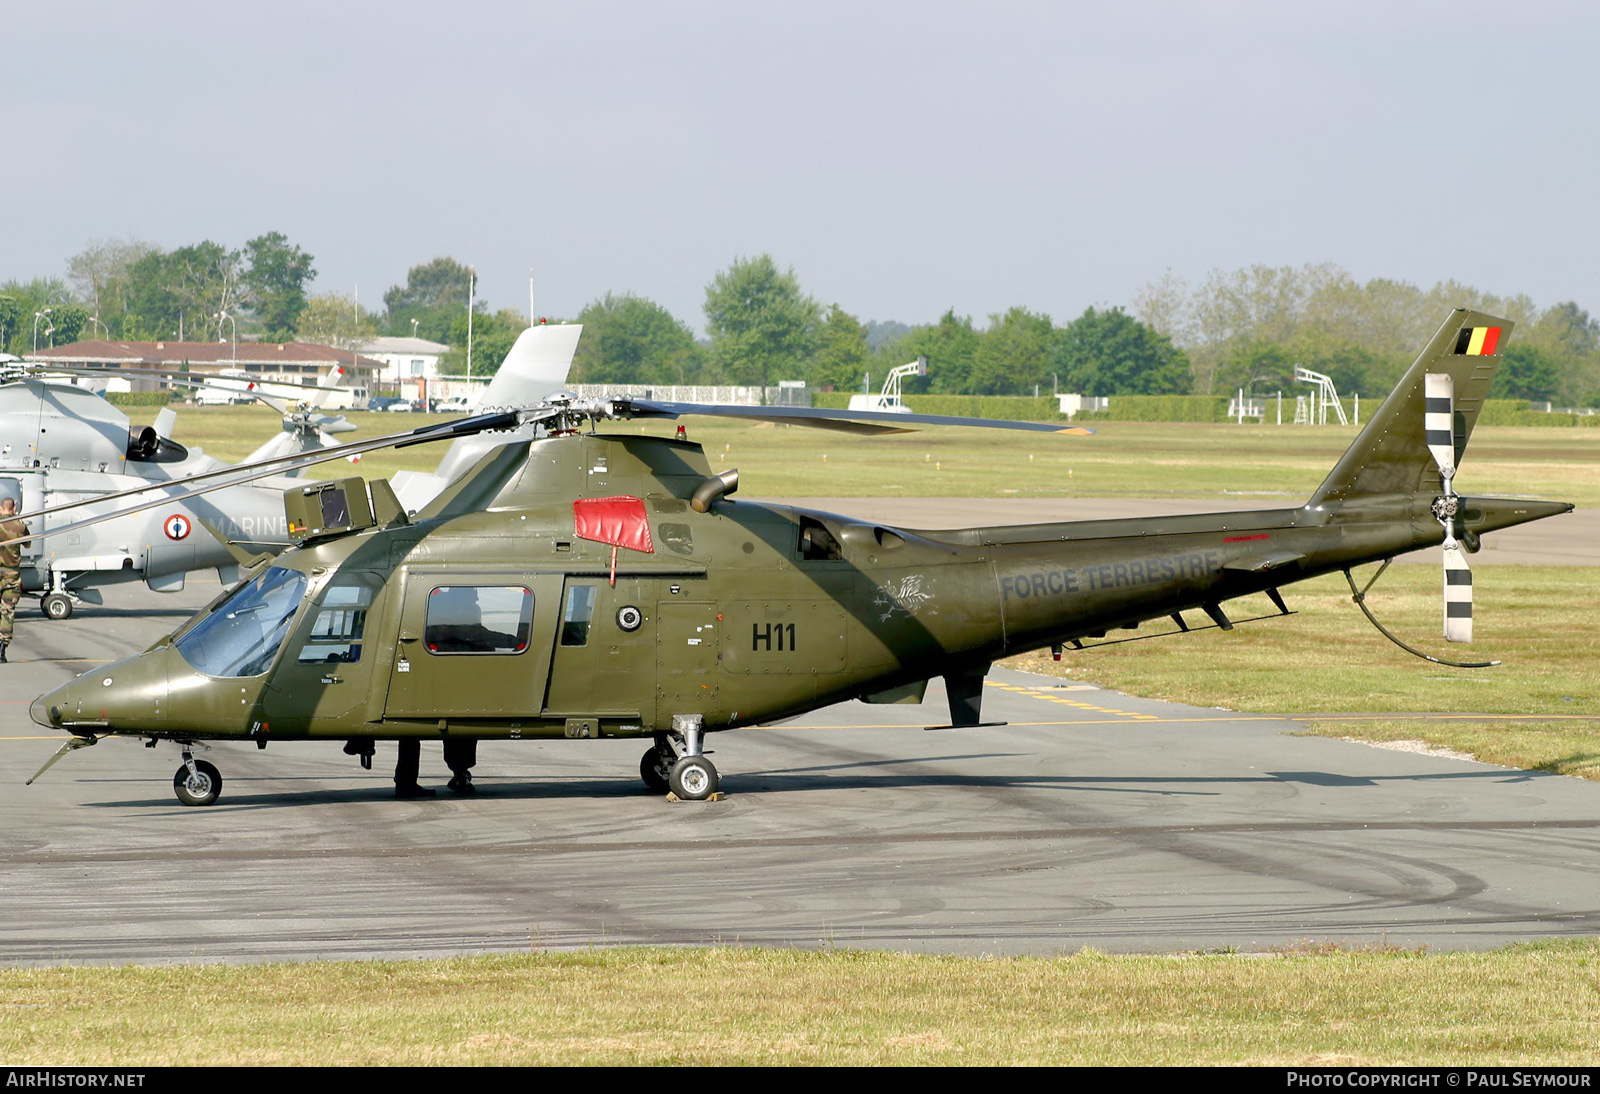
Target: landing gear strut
(196, 782)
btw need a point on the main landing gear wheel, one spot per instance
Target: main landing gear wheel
(199, 788)
(56, 606)
(693, 778)
(656, 771)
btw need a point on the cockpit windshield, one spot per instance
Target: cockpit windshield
(241, 636)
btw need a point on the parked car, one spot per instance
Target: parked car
(381, 402)
(399, 406)
(457, 405)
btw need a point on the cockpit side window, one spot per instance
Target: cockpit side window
(340, 621)
(242, 634)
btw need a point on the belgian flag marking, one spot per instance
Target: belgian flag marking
(1477, 341)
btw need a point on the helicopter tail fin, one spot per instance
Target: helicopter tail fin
(1390, 457)
(327, 385)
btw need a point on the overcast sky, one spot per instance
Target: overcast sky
(903, 158)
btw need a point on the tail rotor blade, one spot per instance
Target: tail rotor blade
(1457, 594)
(1439, 393)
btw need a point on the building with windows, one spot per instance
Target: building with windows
(410, 365)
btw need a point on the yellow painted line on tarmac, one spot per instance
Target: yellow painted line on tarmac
(1047, 696)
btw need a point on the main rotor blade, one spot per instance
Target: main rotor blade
(42, 369)
(846, 421)
(1457, 594)
(435, 433)
(279, 465)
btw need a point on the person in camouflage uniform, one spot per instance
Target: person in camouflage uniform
(10, 573)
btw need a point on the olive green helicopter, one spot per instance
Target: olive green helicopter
(586, 584)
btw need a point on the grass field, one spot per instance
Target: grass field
(1312, 1006)
(1327, 659)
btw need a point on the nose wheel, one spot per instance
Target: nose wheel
(197, 782)
(56, 605)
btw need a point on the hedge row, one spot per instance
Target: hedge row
(1516, 412)
(140, 398)
(1163, 408)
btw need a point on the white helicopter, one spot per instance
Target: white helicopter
(60, 444)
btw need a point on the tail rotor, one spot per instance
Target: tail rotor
(1439, 424)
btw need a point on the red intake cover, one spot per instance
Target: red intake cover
(620, 522)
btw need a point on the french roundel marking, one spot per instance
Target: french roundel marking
(176, 526)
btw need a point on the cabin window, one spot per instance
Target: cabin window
(478, 619)
(341, 620)
(242, 634)
(577, 615)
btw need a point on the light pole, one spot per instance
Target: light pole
(96, 319)
(413, 328)
(38, 315)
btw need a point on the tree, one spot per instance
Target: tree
(102, 272)
(1013, 354)
(628, 339)
(1112, 353)
(1571, 340)
(842, 351)
(1526, 372)
(184, 293)
(22, 316)
(881, 334)
(11, 309)
(762, 326)
(950, 345)
(435, 295)
(492, 338)
(1269, 366)
(331, 319)
(276, 281)
(1261, 367)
